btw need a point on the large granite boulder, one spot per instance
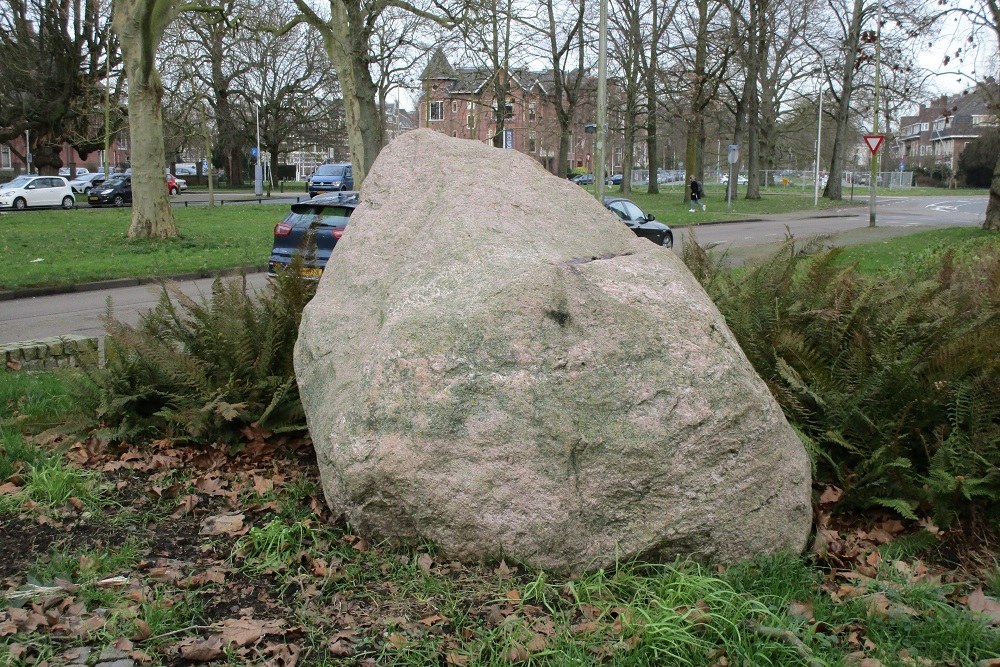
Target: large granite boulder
(494, 363)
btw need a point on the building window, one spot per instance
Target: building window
(531, 111)
(455, 134)
(924, 127)
(454, 106)
(5, 157)
(437, 110)
(471, 121)
(508, 110)
(531, 141)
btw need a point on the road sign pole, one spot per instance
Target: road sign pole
(733, 158)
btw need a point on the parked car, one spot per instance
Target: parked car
(311, 229)
(115, 191)
(331, 178)
(740, 179)
(184, 171)
(614, 179)
(172, 187)
(642, 224)
(84, 183)
(27, 190)
(181, 184)
(583, 179)
(64, 171)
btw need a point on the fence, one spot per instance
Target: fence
(787, 179)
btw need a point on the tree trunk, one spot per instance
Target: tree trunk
(695, 127)
(833, 188)
(347, 45)
(140, 25)
(993, 208)
(757, 47)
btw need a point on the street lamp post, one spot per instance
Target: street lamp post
(27, 149)
(602, 99)
(819, 139)
(258, 173)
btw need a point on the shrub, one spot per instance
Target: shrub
(892, 384)
(203, 371)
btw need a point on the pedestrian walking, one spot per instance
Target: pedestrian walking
(697, 194)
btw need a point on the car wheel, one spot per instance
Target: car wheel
(86, 190)
(119, 201)
(173, 191)
(20, 204)
(68, 202)
(667, 241)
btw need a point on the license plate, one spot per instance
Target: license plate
(310, 272)
(91, 199)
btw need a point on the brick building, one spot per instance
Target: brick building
(940, 130)
(461, 102)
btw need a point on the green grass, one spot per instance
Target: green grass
(33, 399)
(68, 247)
(911, 252)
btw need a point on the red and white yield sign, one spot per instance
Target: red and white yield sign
(874, 141)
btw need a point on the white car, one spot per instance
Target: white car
(83, 184)
(64, 171)
(182, 185)
(740, 179)
(27, 190)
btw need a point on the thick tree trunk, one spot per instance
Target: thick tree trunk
(140, 25)
(346, 44)
(833, 188)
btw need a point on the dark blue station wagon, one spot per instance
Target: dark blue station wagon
(311, 229)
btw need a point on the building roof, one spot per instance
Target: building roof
(438, 67)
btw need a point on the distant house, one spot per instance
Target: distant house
(462, 102)
(939, 132)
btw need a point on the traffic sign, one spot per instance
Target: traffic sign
(874, 141)
(253, 152)
(734, 153)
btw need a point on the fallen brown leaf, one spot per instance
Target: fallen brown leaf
(425, 562)
(187, 503)
(980, 602)
(202, 650)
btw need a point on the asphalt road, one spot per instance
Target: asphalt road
(81, 312)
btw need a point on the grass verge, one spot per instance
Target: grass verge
(54, 247)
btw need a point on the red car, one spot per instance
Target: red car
(172, 184)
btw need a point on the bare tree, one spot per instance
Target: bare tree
(140, 25)
(984, 18)
(347, 30)
(54, 59)
(563, 30)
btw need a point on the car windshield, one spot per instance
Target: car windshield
(329, 170)
(334, 216)
(18, 182)
(115, 180)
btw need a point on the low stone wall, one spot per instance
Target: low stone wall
(50, 353)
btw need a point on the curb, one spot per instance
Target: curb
(29, 292)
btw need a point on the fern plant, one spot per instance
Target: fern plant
(203, 370)
(892, 384)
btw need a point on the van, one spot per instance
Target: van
(331, 178)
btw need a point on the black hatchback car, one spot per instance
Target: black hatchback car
(331, 178)
(311, 229)
(116, 191)
(643, 224)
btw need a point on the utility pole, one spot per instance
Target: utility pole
(602, 100)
